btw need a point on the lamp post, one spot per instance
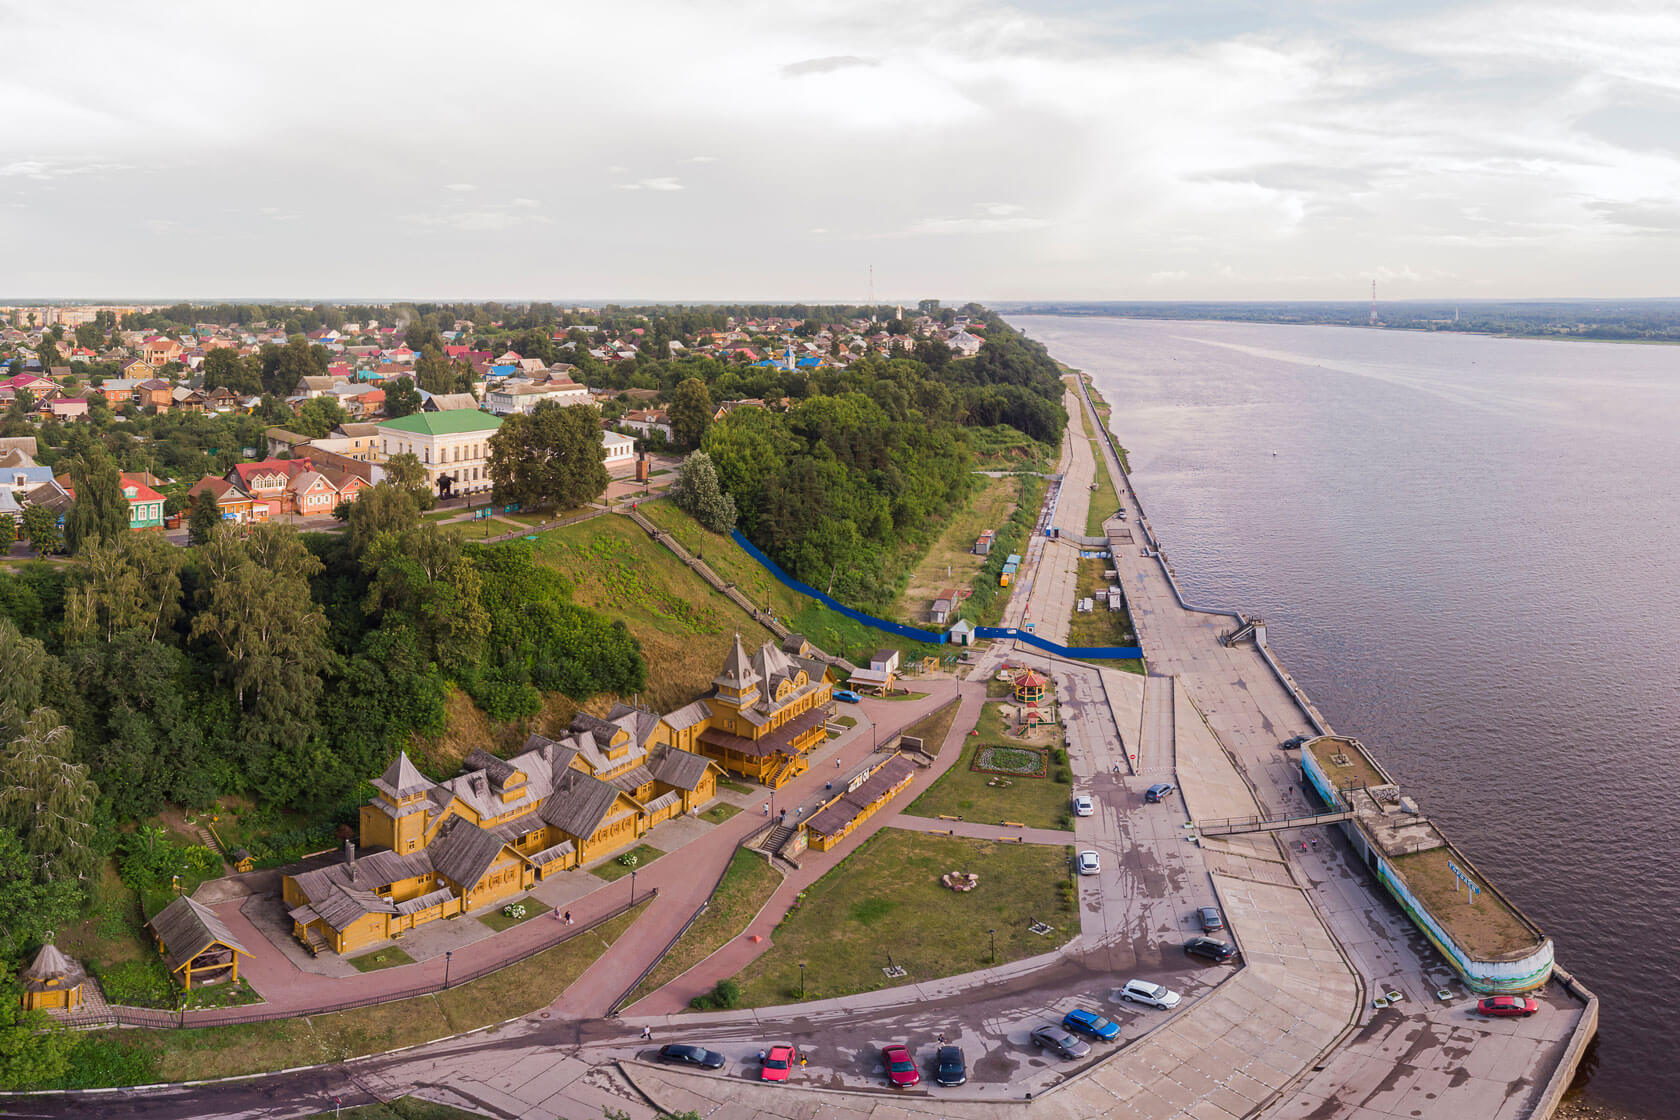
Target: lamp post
(801, 979)
(632, 886)
(993, 932)
(447, 953)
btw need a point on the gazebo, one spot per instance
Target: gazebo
(53, 982)
(1030, 685)
(195, 944)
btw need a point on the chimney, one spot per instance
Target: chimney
(350, 858)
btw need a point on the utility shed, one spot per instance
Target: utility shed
(195, 944)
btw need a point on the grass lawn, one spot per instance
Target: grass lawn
(684, 627)
(985, 606)
(887, 898)
(1125, 665)
(725, 557)
(932, 728)
(834, 633)
(498, 920)
(1104, 500)
(735, 787)
(905, 696)
(720, 812)
(845, 721)
(747, 885)
(403, 1108)
(1101, 626)
(135, 1057)
(949, 562)
(389, 957)
(612, 870)
(1486, 927)
(963, 791)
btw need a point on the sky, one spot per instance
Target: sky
(751, 150)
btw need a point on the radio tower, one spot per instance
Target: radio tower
(1373, 303)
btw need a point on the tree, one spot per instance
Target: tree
(699, 492)
(224, 368)
(401, 398)
(319, 416)
(205, 516)
(384, 508)
(551, 455)
(423, 577)
(45, 798)
(29, 906)
(49, 355)
(438, 374)
(690, 413)
(406, 473)
(8, 533)
(100, 512)
(33, 1049)
(40, 526)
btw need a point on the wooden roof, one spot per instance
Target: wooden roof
(187, 928)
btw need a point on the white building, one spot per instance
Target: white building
(621, 451)
(518, 395)
(453, 445)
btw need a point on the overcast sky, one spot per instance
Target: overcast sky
(675, 149)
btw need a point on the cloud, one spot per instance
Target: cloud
(461, 188)
(989, 223)
(701, 159)
(43, 170)
(660, 183)
(525, 203)
(828, 64)
(477, 221)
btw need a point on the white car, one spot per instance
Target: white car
(1142, 991)
(1083, 806)
(1089, 863)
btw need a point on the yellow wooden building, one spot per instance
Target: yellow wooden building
(52, 982)
(765, 713)
(864, 795)
(440, 849)
(197, 948)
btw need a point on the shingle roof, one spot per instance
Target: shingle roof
(50, 964)
(578, 804)
(688, 715)
(187, 928)
(463, 852)
(682, 769)
(401, 778)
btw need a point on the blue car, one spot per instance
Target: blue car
(847, 695)
(1089, 1022)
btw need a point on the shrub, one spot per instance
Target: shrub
(137, 984)
(724, 996)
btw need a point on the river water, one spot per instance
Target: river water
(1465, 550)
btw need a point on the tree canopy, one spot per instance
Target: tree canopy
(550, 456)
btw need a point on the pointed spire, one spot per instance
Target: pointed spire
(49, 964)
(401, 778)
(737, 669)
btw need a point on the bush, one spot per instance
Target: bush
(726, 995)
(138, 984)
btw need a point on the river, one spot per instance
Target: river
(1465, 550)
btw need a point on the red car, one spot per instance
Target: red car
(901, 1067)
(777, 1063)
(1508, 1006)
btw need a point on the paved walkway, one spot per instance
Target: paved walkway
(975, 830)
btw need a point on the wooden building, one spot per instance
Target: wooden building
(863, 796)
(1029, 686)
(53, 982)
(196, 946)
(441, 849)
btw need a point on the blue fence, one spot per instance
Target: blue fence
(916, 634)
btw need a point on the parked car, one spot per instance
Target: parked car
(1155, 995)
(847, 695)
(1294, 744)
(1506, 1006)
(1089, 863)
(1217, 951)
(1063, 1043)
(901, 1067)
(777, 1063)
(691, 1056)
(1083, 806)
(1210, 918)
(950, 1067)
(1089, 1022)
(1158, 792)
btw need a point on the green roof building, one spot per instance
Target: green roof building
(453, 447)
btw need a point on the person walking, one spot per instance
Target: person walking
(568, 917)
(647, 1033)
(767, 808)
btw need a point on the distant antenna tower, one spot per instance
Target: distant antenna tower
(1373, 303)
(871, 293)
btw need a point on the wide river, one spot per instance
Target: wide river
(1467, 550)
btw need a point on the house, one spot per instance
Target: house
(522, 396)
(879, 676)
(187, 399)
(311, 387)
(157, 351)
(453, 446)
(962, 634)
(137, 370)
(282, 442)
(196, 946)
(145, 505)
(964, 344)
(943, 604)
(52, 982)
(311, 494)
(155, 393)
(118, 391)
(269, 483)
(491, 833)
(763, 716)
(66, 408)
(864, 794)
(646, 421)
(620, 451)
(235, 504)
(449, 402)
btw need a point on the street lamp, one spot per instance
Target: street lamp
(447, 953)
(993, 932)
(632, 886)
(801, 979)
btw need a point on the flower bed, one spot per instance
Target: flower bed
(1017, 762)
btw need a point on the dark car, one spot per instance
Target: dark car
(1210, 918)
(1061, 1042)
(1294, 744)
(1158, 792)
(1209, 948)
(1508, 1006)
(901, 1067)
(691, 1056)
(950, 1068)
(1089, 1022)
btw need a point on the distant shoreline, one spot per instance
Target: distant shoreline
(1534, 336)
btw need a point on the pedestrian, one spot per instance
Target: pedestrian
(1315, 843)
(941, 1038)
(568, 917)
(762, 1055)
(800, 813)
(647, 1033)
(828, 785)
(837, 764)
(802, 1061)
(557, 915)
(767, 808)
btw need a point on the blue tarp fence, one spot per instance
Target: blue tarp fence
(916, 634)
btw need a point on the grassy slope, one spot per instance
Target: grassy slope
(950, 562)
(747, 885)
